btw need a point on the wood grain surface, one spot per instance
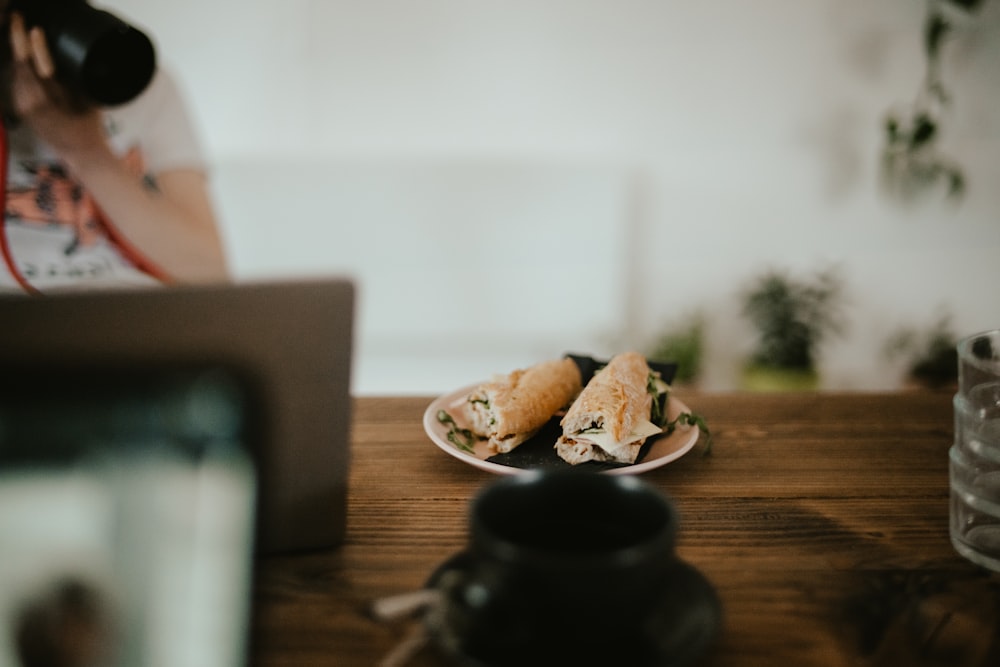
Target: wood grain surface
(821, 519)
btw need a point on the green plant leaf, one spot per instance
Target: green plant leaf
(462, 438)
(692, 419)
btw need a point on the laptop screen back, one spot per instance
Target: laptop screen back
(289, 343)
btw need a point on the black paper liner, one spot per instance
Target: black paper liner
(539, 453)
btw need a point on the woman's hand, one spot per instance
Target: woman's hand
(61, 119)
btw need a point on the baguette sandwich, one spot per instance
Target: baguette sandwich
(510, 409)
(612, 417)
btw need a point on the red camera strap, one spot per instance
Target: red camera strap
(8, 257)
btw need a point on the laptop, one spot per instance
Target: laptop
(286, 344)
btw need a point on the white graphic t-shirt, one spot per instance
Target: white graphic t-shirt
(53, 235)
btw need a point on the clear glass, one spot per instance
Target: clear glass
(974, 459)
(978, 361)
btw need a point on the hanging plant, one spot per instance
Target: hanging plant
(911, 160)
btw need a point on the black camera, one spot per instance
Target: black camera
(95, 53)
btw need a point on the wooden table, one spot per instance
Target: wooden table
(821, 519)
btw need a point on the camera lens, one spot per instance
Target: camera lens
(116, 66)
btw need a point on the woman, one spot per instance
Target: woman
(98, 197)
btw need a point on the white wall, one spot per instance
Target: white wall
(748, 133)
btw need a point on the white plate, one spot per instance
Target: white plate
(663, 450)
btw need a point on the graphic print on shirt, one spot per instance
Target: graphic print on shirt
(55, 232)
(56, 199)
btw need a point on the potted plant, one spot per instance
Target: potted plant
(684, 345)
(930, 355)
(792, 318)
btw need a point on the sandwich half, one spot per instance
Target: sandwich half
(613, 415)
(510, 409)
